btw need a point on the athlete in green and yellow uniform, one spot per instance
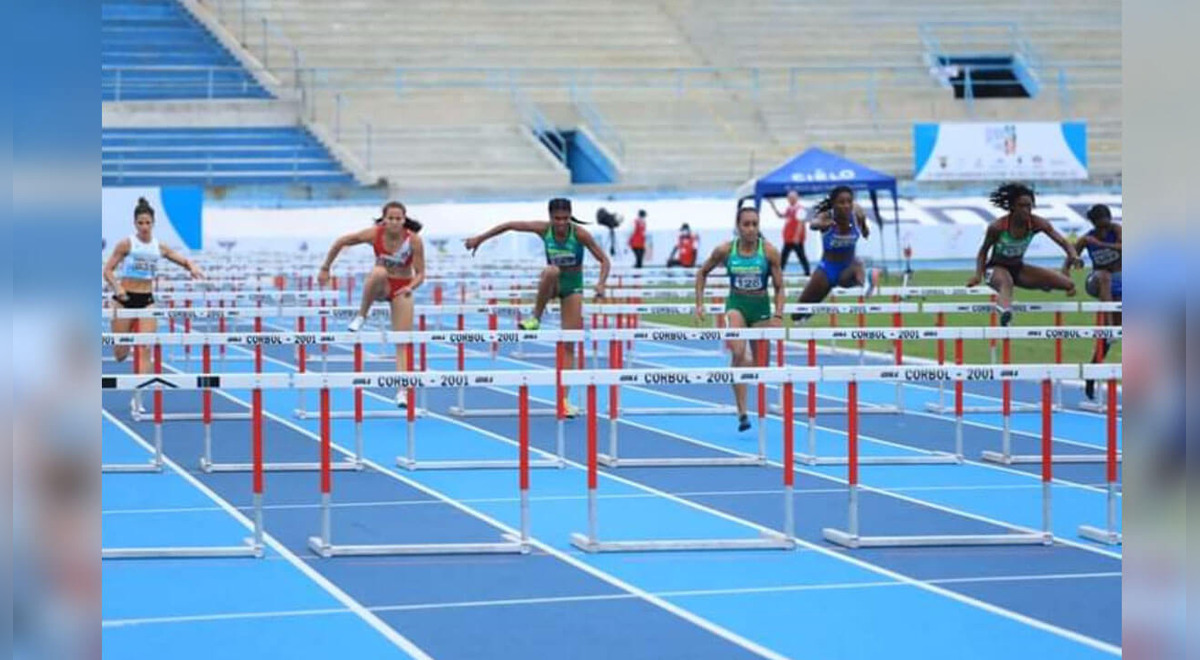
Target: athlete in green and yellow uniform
(1002, 254)
(562, 277)
(750, 261)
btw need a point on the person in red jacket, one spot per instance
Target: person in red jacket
(794, 230)
(684, 253)
(637, 240)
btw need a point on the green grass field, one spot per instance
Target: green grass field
(1029, 350)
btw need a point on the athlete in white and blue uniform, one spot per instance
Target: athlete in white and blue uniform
(138, 256)
(841, 223)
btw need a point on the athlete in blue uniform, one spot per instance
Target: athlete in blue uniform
(841, 223)
(1103, 245)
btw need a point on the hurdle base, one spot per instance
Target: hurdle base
(131, 468)
(500, 412)
(941, 409)
(698, 410)
(249, 549)
(802, 411)
(193, 417)
(1098, 407)
(715, 461)
(1105, 536)
(482, 464)
(848, 540)
(938, 458)
(212, 466)
(367, 414)
(1028, 459)
(512, 546)
(766, 541)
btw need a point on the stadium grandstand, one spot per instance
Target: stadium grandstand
(486, 98)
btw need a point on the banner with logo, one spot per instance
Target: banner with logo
(977, 151)
(177, 215)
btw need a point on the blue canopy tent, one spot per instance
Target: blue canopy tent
(817, 171)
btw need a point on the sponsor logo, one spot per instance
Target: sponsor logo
(107, 341)
(325, 339)
(267, 340)
(868, 334)
(508, 337)
(398, 381)
(306, 339)
(668, 378)
(484, 380)
(667, 335)
(358, 382)
(628, 378)
(889, 374)
(467, 337)
(751, 376)
(926, 374)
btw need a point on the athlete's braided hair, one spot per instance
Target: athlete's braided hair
(826, 205)
(1005, 196)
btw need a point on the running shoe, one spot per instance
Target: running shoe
(570, 411)
(872, 281)
(402, 398)
(530, 323)
(743, 422)
(136, 408)
(356, 324)
(1006, 316)
(1089, 390)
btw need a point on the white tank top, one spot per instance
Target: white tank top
(142, 261)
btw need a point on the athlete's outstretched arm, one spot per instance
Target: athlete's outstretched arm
(353, 238)
(989, 239)
(120, 251)
(861, 217)
(719, 255)
(1045, 226)
(777, 277)
(585, 237)
(532, 226)
(181, 261)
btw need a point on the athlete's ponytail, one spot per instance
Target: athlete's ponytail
(563, 204)
(143, 207)
(826, 204)
(411, 224)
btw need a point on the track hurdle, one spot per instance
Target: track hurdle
(616, 339)
(852, 537)
(323, 544)
(591, 541)
(941, 309)
(1109, 534)
(253, 546)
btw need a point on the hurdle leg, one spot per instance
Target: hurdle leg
(1109, 535)
(789, 460)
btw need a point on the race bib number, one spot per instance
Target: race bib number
(748, 282)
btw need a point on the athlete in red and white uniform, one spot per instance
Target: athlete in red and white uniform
(399, 270)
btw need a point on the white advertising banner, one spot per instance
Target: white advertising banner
(977, 151)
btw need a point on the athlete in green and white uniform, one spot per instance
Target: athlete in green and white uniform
(1002, 254)
(750, 261)
(562, 278)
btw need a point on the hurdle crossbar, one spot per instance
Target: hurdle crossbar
(591, 542)
(852, 537)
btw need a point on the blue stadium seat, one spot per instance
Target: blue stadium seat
(216, 157)
(155, 50)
